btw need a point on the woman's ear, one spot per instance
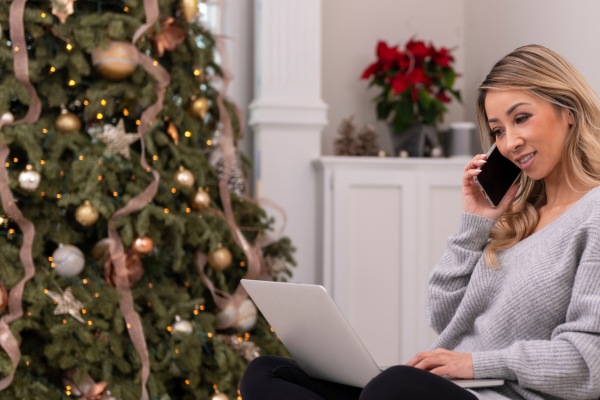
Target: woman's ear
(569, 115)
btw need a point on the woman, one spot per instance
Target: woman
(516, 295)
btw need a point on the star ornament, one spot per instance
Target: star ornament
(62, 9)
(67, 304)
(117, 140)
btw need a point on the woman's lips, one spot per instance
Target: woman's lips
(529, 162)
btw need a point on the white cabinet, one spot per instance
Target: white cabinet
(383, 225)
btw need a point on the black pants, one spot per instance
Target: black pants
(278, 378)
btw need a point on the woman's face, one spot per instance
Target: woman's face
(528, 129)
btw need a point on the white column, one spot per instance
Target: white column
(288, 116)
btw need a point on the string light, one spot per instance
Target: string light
(188, 133)
(195, 312)
(68, 392)
(27, 363)
(137, 122)
(43, 15)
(173, 190)
(150, 285)
(11, 231)
(207, 189)
(99, 162)
(43, 194)
(97, 295)
(42, 162)
(85, 102)
(45, 130)
(29, 313)
(69, 47)
(155, 157)
(209, 142)
(52, 265)
(52, 69)
(62, 173)
(209, 334)
(16, 49)
(90, 322)
(83, 311)
(99, 177)
(187, 210)
(169, 328)
(103, 102)
(149, 304)
(7, 164)
(99, 116)
(64, 321)
(128, 326)
(166, 210)
(201, 308)
(85, 281)
(155, 63)
(242, 264)
(80, 158)
(49, 258)
(125, 112)
(71, 82)
(200, 216)
(187, 382)
(197, 72)
(126, 9)
(58, 196)
(115, 194)
(176, 351)
(45, 290)
(186, 284)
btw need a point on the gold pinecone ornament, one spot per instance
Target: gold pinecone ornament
(344, 143)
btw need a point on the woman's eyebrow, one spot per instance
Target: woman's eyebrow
(510, 110)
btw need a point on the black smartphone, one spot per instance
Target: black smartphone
(497, 175)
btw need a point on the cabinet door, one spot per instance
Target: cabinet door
(440, 201)
(374, 261)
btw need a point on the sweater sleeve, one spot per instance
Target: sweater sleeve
(449, 278)
(567, 365)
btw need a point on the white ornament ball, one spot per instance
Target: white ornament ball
(68, 260)
(7, 117)
(437, 152)
(182, 326)
(29, 179)
(242, 321)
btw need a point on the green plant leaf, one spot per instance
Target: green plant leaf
(384, 108)
(456, 94)
(449, 76)
(424, 99)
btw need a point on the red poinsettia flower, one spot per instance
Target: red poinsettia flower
(441, 95)
(371, 69)
(415, 94)
(399, 83)
(443, 57)
(387, 55)
(404, 61)
(417, 75)
(418, 49)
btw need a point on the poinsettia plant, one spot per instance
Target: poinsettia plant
(416, 83)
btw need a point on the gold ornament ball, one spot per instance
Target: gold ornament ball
(219, 259)
(67, 122)
(143, 245)
(182, 326)
(189, 9)
(218, 396)
(116, 62)
(86, 214)
(29, 179)
(198, 107)
(200, 200)
(3, 298)
(184, 177)
(241, 319)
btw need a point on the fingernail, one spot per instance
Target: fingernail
(477, 170)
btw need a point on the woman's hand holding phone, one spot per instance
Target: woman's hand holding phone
(473, 201)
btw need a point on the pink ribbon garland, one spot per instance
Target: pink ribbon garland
(126, 304)
(15, 308)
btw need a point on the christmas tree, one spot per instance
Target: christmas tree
(126, 222)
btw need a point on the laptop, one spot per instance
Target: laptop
(318, 336)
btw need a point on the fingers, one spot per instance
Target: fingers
(512, 192)
(468, 176)
(476, 162)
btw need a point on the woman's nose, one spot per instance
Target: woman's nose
(513, 140)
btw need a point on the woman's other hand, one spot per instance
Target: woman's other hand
(444, 362)
(473, 201)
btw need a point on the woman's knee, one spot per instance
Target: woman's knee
(258, 370)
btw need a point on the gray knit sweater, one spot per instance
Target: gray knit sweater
(535, 322)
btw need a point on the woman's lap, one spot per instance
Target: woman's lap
(275, 378)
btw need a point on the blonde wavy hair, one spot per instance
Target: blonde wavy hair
(543, 73)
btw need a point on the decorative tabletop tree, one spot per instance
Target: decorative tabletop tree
(415, 82)
(120, 178)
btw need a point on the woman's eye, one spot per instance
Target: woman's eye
(521, 119)
(496, 132)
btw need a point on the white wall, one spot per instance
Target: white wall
(351, 29)
(495, 28)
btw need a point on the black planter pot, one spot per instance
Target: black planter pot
(414, 139)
